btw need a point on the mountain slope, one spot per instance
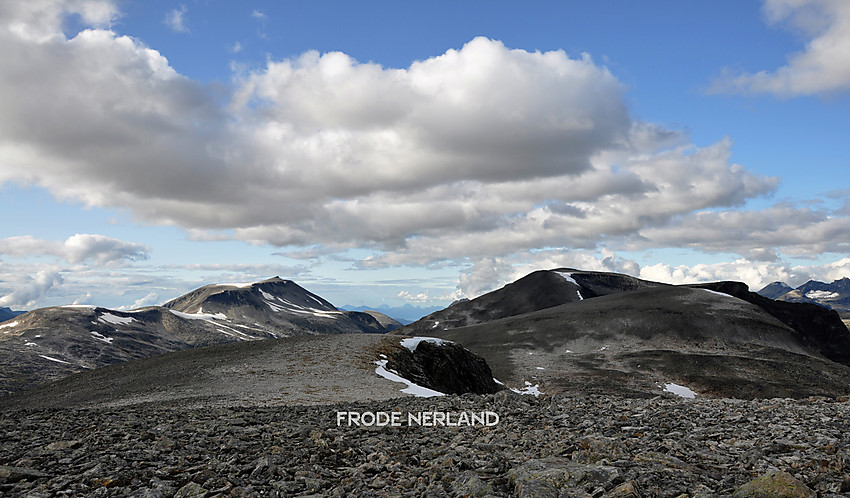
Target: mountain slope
(628, 336)
(536, 291)
(49, 343)
(775, 289)
(275, 305)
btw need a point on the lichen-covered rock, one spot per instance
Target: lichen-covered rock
(775, 485)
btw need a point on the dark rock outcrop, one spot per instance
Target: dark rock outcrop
(445, 367)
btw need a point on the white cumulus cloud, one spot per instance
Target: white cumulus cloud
(78, 248)
(176, 19)
(482, 151)
(32, 289)
(822, 67)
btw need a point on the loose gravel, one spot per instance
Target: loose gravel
(548, 446)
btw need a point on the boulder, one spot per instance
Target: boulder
(444, 366)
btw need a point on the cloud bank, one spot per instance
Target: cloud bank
(480, 152)
(78, 248)
(32, 289)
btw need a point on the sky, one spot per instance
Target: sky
(417, 152)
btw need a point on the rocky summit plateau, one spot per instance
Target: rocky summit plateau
(563, 383)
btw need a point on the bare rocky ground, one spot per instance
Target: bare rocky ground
(548, 446)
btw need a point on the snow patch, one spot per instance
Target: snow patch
(9, 325)
(240, 285)
(720, 293)
(678, 390)
(274, 307)
(820, 294)
(54, 359)
(115, 319)
(101, 337)
(414, 389)
(529, 389)
(30, 344)
(266, 295)
(569, 278)
(200, 316)
(413, 342)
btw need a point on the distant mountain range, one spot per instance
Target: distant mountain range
(568, 330)
(53, 342)
(834, 296)
(405, 314)
(8, 314)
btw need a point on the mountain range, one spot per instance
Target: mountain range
(50, 343)
(8, 314)
(553, 331)
(568, 330)
(834, 295)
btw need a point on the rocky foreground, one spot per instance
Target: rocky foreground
(548, 446)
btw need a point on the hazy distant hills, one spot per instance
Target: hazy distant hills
(49, 343)
(403, 314)
(568, 330)
(8, 314)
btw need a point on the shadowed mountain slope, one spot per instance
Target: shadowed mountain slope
(539, 290)
(629, 336)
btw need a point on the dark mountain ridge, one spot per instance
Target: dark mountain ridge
(8, 314)
(567, 330)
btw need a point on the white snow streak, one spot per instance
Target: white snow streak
(569, 278)
(101, 337)
(678, 390)
(720, 293)
(115, 319)
(200, 316)
(414, 389)
(9, 325)
(413, 342)
(54, 359)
